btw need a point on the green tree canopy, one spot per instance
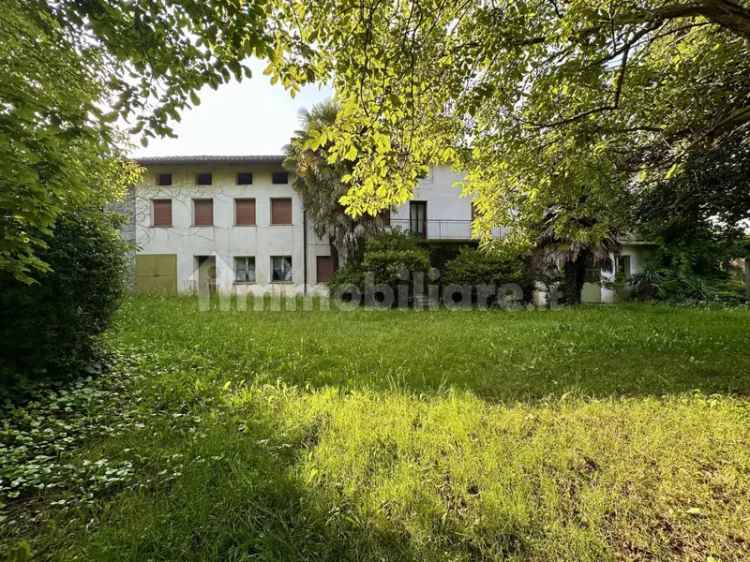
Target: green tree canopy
(320, 184)
(546, 104)
(74, 73)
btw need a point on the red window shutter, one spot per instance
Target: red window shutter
(325, 268)
(281, 211)
(204, 212)
(162, 212)
(244, 211)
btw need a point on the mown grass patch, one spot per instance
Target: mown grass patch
(588, 434)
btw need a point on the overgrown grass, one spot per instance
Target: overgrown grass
(586, 434)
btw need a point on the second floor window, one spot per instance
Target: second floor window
(164, 179)
(203, 212)
(244, 178)
(204, 178)
(244, 212)
(418, 218)
(281, 211)
(280, 177)
(162, 212)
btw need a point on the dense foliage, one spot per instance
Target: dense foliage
(543, 103)
(51, 327)
(69, 70)
(321, 187)
(390, 258)
(476, 267)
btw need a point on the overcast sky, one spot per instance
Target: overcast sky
(251, 117)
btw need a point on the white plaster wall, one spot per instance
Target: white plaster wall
(638, 255)
(224, 240)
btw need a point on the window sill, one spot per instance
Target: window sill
(245, 283)
(202, 225)
(245, 225)
(282, 282)
(161, 226)
(282, 224)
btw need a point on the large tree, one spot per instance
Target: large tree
(321, 187)
(544, 103)
(73, 74)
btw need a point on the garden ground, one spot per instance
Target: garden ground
(582, 434)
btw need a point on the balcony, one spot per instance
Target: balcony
(440, 229)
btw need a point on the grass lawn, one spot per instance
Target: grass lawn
(603, 433)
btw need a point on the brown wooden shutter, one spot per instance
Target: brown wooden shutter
(325, 268)
(281, 211)
(162, 212)
(244, 211)
(204, 212)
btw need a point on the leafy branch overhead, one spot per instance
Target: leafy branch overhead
(542, 102)
(71, 72)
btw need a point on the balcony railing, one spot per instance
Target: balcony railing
(436, 229)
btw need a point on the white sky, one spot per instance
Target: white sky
(251, 117)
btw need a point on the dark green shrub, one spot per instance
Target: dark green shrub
(473, 266)
(391, 258)
(50, 327)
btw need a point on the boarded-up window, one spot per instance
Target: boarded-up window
(244, 178)
(281, 269)
(280, 177)
(164, 179)
(281, 211)
(244, 212)
(244, 269)
(204, 178)
(203, 212)
(325, 269)
(162, 212)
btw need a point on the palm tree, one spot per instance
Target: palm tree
(319, 184)
(574, 256)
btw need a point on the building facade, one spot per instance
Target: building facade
(234, 224)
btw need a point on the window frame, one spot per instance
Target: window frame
(164, 175)
(291, 270)
(255, 271)
(291, 212)
(412, 221)
(249, 176)
(202, 175)
(255, 211)
(153, 213)
(213, 221)
(275, 175)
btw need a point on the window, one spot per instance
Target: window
(244, 178)
(281, 269)
(244, 212)
(418, 218)
(162, 212)
(164, 179)
(244, 269)
(203, 212)
(280, 177)
(325, 268)
(281, 211)
(623, 267)
(204, 178)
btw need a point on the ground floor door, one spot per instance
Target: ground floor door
(156, 273)
(206, 274)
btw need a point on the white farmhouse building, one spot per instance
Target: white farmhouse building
(235, 223)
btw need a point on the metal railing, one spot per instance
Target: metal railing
(436, 229)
